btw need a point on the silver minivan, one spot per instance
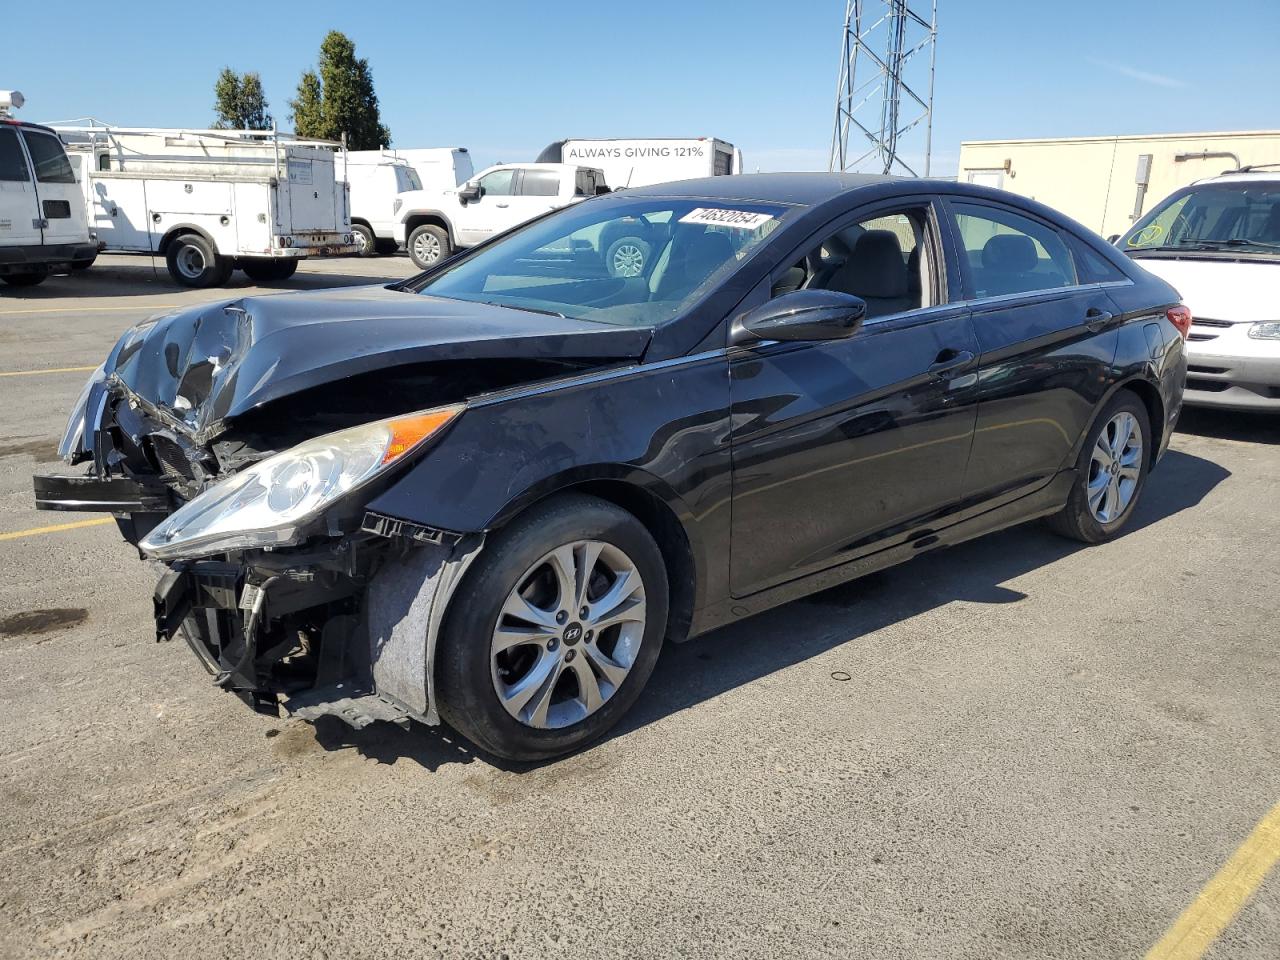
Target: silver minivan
(43, 229)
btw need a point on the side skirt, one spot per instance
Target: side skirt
(1047, 500)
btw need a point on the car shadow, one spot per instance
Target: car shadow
(713, 664)
(143, 276)
(1230, 424)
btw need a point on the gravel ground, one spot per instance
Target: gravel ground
(1015, 748)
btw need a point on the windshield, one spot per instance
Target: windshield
(1241, 215)
(633, 262)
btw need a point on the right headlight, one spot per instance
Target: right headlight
(268, 503)
(1266, 330)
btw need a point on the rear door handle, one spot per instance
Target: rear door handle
(1096, 319)
(949, 361)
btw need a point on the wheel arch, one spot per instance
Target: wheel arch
(434, 218)
(1149, 394)
(181, 229)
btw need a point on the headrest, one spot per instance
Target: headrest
(875, 268)
(1010, 253)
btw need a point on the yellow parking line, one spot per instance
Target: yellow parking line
(74, 309)
(55, 528)
(32, 373)
(1221, 899)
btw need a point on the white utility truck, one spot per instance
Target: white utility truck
(376, 178)
(434, 223)
(638, 163)
(42, 221)
(211, 201)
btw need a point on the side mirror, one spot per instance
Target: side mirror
(1113, 238)
(806, 315)
(470, 191)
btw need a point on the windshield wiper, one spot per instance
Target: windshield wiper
(512, 306)
(1206, 243)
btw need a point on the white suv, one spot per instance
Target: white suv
(1218, 242)
(43, 229)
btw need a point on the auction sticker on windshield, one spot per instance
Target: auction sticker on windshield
(742, 219)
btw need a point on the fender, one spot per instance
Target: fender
(172, 234)
(428, 213)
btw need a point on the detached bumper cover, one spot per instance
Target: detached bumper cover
(91, 494)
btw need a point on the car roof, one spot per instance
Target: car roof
(15, 122)
(1242, 176)
(802, 189)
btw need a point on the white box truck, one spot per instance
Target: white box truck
(42, 221)
(375, 179)
(211, 201)
(638, 163)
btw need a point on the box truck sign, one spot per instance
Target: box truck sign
(719, 217)
(632, 151)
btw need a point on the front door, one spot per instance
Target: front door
(19, 206)
(491, 212)
(1046, 343)
(841, 448)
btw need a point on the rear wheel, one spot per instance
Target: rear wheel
(427, 244)
(564, 616)
(263, 270)
(627, 257)
(365, 240)
(28, 279)
(1110, 473)
(194, 262)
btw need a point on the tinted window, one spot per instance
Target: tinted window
(1008, 253)
(50, 160)
(498, 183)
(540, 183)
(13, 164)
(407, 179)
(1243, 213)
(1093, 267)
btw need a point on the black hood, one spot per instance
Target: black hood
(211, 363)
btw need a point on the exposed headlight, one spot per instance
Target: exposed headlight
(268, 503)
(74, 433)
(1267, 330)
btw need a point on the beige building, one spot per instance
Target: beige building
(1101, 181)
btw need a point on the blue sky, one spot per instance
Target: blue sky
(506, 78)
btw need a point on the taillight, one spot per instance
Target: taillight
(1180, 317)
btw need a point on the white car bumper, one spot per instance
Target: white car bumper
(1228, 368)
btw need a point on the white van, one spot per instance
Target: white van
(439, 168)
(638, 163)
(43, 229)
(1218, 242)
(375, 179)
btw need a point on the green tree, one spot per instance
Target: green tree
(339, 98)
(239, 103)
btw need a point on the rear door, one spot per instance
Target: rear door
(19, 207)
(61, 200)
(845, 447)
(313, 199)
(1046, 341)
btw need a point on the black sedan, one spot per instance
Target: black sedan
(490, 494)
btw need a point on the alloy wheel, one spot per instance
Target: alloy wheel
(568, 634)
(628, 260)
(1114, 467)
(426, 247)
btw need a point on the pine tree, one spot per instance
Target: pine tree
(239, 102)
(339, 98)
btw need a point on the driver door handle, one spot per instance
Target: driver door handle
(949, 361)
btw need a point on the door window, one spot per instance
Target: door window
(540, 183)
(51, 163)
(882, 259)
(498, 183)
(1008, 253)
(13, 163)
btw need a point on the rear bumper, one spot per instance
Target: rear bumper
(23, 259)
(314, 244)
(1233, 383)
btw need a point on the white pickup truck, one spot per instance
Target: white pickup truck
(435, 223)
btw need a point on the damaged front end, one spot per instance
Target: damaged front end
(239, 444)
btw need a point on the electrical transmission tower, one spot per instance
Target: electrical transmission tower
(884, 91)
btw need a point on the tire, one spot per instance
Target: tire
(1098, 518)
(84, 264)
(262, 270)
(193, 262)
(627, 257)
(471, 673)
(428, 245)
(365, 239)
(25, 279)
(386, 248)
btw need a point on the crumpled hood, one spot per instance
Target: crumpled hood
(202, 366)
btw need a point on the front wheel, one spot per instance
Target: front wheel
(366, 242)
(1110, 473)
(428, 244)
(554, 632)
(194, 262)
(627, 257)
